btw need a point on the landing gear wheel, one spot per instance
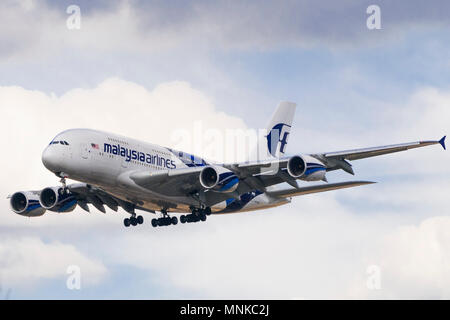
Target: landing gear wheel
(202, 217)
(154, 223)
(126, 222)
(207, 211)
(174, 220)
(140, 220)
(162, 222)
(183, 219)
(133, 221)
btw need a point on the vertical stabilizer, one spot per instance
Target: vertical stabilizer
(273, 144)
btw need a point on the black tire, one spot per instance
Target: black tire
(203, 217)
(140, 220)
(193, 218)
(183, 219)
(133, 221)
(174, 221)
(126, 222)
(154, 223)
(207, 211)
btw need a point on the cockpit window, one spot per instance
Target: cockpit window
(64, 143)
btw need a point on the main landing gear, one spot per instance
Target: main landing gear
(198, 214)
(133, 221)
(165, 220)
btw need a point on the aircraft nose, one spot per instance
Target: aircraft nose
(50, 159)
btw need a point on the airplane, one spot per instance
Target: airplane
(117, 171)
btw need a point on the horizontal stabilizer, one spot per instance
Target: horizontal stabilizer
(317, 188)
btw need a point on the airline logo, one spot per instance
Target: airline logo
(130, 154)
(278, 135)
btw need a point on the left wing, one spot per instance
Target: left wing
(315, 189)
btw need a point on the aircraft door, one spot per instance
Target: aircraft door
(84, 151)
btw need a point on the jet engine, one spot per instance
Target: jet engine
(27, 204)
(296, 166)
(218, 179)
(57, 199)
(306, 168)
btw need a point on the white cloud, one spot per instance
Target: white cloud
(33, 29)
(312, 248)
(30, 119)
(25, 261)
(414, 261)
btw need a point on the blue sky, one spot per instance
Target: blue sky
(354, 87)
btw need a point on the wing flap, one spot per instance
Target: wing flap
(316, 189)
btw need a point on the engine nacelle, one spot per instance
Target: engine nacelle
(26, 204)
(57, 199)
(218, 179)
(296, 166)
(306, 168)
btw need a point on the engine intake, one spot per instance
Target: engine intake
(219, 179)
(296, 166)
(26, 204)
(209, 177)
(56, 199)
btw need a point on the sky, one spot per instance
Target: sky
(150, 69)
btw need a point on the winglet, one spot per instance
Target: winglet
(442, 142)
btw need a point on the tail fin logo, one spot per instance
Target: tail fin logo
(278, 135)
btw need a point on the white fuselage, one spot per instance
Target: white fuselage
(105, 160)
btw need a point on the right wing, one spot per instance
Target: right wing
(257, 175)
(86, 194)
(176, 182)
